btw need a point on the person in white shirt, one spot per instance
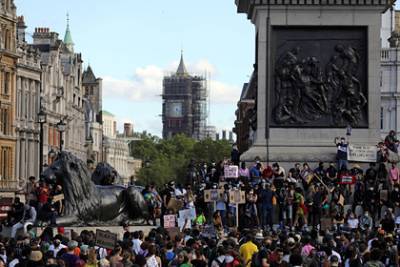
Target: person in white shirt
(137, 242)
(29, 217)
(352, 221)
(56, 247)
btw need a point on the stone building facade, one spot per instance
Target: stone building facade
(92, 89)
(62, 93)
(116, 147)
(27, 107)
(8, 64)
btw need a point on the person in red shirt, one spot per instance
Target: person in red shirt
(43, 194)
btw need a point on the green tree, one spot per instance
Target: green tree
(168, 159)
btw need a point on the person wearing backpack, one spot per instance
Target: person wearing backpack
(220, 259)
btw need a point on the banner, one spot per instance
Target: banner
(231, 171)
(105, 239)
(362, 153)
(169, 221)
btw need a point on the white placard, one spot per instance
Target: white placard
(362, 153)
(231, 171)
(189, 214)
(169, 221)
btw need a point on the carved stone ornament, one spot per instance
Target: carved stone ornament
(319, 78)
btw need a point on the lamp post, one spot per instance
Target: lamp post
(41, 120)
(61, 126)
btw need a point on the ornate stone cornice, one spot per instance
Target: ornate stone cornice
(247, 6)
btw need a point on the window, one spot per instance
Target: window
(5, 167)
(5, 121)
(382, 117)
(6, 83)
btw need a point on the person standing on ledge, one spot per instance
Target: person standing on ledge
(341, 155)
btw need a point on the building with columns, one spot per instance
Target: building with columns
(27, 107)
(62, 96)
(8, 66)
(116, 147)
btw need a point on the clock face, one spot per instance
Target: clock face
(175, 110)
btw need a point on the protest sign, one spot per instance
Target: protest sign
(347, 179)
(237, 197)
(212, 195)
(187, 214)
(105, 239)
(58, 197)
(360, 153)
(184, 224)
(231, 171)
(169, 221)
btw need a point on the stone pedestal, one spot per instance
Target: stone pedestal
(291, 139)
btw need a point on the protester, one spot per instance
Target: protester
(308, 216)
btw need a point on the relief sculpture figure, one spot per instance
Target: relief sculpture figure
(304, 92)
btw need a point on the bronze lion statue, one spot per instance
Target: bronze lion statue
(89, 204)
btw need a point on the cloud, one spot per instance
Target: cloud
(146, 83)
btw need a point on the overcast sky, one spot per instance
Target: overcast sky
(131, 44)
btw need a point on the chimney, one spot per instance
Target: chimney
(21, 29)
(128, 129)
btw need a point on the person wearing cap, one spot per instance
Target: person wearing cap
(70, 258)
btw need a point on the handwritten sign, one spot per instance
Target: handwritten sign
(58, 197)
(231, 171)
(169, 221)
(105, 239)
(362, 153)
(187, 214)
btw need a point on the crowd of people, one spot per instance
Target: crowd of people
(331, 214)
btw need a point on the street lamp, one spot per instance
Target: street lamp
(41, 120)
(61, 126)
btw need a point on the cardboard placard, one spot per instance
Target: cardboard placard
(105, 239)
(341, 200)
(237, 197)
(212, 195)
(361, 153)
(169, 221)
(58, 197)
(326, 224)
(231, 171)
(184, 224)
(187, 214)
(384, 195)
